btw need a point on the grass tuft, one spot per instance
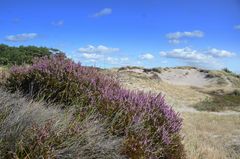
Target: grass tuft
(37, 130)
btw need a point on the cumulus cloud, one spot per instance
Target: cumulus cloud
(100, 49)
(186, 54)
(220, 53)
(146, 56)
(21, 37)
(237, 27)
(58, 23)
(177, 37)
(117, 61)
(103, 12)
(207, 58)
(92, 56)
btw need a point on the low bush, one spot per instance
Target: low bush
(150, 126)
(157, 70)
(130, 67)
(235, 93)
(226, 70)
(203, 70)
(220, 101)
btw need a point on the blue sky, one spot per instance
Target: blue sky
(113, 33)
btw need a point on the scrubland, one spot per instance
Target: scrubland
(89, 115)
(56, 108)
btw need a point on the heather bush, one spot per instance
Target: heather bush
(150, 126)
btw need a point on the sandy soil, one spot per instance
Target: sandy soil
(191, 77)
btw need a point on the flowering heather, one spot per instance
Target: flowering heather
(150, 126)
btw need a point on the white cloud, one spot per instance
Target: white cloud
(21, 37)
(186, 54)
(96, 58)
(207, 58)
(100, 49)
(146, 56)
(237, 27)
(103, 12)
(92, 56)
(220, 53)
(91, 61)
(117, 61)
(174, 41)
(58, 23)
(176, 37)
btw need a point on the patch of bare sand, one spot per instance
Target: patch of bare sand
(186, 77)
(177, 96)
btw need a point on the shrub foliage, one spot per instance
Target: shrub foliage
(150, 126)
(10, 55)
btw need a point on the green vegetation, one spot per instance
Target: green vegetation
(23, 54)
(226, 70)
(130, 67)
(220, 101)
(156, 69)
(185, 67)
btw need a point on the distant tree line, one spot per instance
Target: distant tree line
(10, 55)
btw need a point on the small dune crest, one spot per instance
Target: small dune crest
(188, 76)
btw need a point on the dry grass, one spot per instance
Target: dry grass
(225, 78)
(211, 136)
(3, 73)
(65, 138)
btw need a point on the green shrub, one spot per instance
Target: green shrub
(130, 67)
(227, 70)
(10, 55)
(220, 101)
